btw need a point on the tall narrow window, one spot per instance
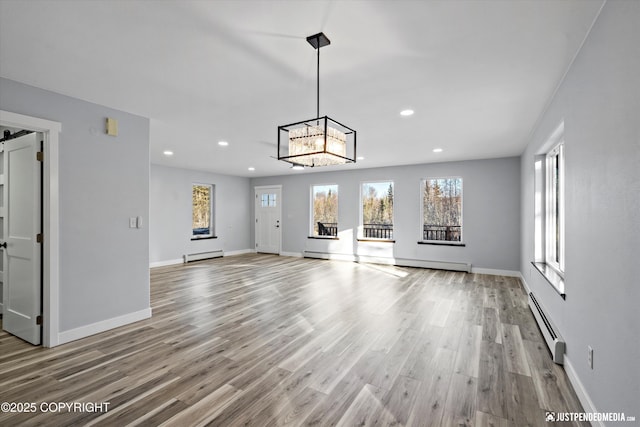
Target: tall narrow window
(202, 211)
(554, 254)
(324, 205)
(377, 210)
(442, 209)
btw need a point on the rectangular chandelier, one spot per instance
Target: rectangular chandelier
(317, 142)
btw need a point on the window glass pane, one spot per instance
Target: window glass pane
(202, 196)
(264, 199)
(325, 210)
(442, 209)
(377, 210)
(555, 205)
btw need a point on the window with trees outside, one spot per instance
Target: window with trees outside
(442, 210)
(324, 200)
(377, 210)
(202, 211)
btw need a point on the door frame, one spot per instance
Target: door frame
(50, 218)
(255, 214)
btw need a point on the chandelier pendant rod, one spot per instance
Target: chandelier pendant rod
(318, 83)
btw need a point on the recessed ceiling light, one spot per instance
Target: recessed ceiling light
(167, 153)
(251, 168)
(406, 113)
(297, 167)
(223, 143)
(360, 158)
(437, 150)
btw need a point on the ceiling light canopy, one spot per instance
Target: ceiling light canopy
(167, 153)
(406, 113)
(223, 143)
(320, 141)
(437, 150)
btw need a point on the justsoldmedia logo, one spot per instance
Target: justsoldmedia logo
(550, 416)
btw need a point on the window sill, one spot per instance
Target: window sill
(440, 243)
(323, 237)
(204, 238)
(376, 240)
(552, 277)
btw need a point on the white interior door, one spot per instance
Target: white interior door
(268, 219)
(22, 277)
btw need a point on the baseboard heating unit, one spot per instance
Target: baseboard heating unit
(202, 255)
(549, 332)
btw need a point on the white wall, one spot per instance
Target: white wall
(491, 207)
(103, 181)
(170, 217)
(599, 101)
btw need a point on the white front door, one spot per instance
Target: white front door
(22, 224)
(268, 219)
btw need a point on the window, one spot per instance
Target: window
(377, 210)
(268, 201)
(554, 224)
(442, 210)
(202, 211)
(324, 220)
(549, 211)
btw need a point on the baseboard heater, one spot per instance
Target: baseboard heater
(202, 255)
(554, 341)
(402, 262)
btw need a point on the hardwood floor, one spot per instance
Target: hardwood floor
(264, 340)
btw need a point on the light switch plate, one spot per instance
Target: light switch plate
(132, 222)
(139, 222)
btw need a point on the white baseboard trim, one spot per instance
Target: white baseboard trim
(581, 392)
(167, 262)
(240, 252)
(496, 272)
(103, 325)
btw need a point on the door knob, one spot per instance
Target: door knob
(3, 245)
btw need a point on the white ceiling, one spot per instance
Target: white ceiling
(477, 73)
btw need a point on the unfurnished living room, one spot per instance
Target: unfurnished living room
(319, 213)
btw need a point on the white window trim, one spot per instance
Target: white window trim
(311, 218)
(212, 215)
(421, 218)
(550, 208)
(360, 235)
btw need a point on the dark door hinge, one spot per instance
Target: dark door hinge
(40, 156)
(39, 320)
(39, 238)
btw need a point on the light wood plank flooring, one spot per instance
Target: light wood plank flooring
(265, 340)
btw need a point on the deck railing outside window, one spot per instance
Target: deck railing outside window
(449, 233)
(327, 229)
(378, 231)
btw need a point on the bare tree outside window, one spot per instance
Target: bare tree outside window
(202, 204)
(325, 210)
(442, 209)
(377, 210)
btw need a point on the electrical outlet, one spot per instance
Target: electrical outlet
(590, 356)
